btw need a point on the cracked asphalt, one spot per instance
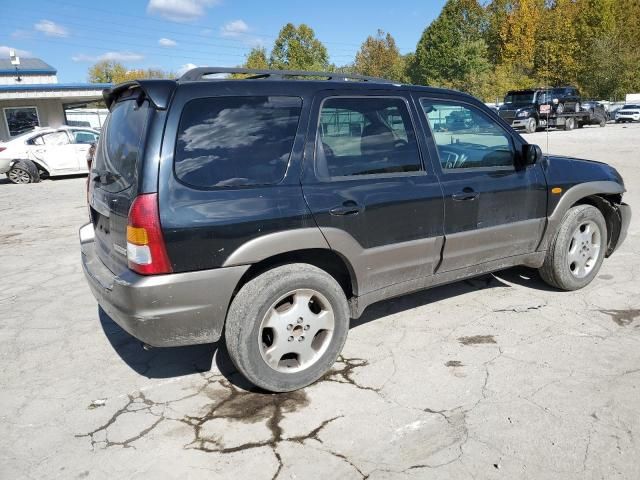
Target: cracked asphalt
(494, 377)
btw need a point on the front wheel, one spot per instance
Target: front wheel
(286, 327)
(531, 126)
(576, 253)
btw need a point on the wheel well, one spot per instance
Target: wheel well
(605, 203)
(327, 260)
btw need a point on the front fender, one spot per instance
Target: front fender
(572, 196)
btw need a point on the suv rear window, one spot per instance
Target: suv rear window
(122, 144)
(236, 141)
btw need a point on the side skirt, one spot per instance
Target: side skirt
(358, 305)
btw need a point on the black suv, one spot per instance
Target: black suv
(275, 209)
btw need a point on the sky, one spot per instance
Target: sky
(173, 35)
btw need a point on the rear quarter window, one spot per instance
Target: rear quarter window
(236, 141)
(122, 144)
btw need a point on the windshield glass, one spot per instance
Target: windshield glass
(519, 97)
(630, 107)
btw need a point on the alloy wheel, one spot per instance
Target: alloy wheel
(584, 249)
(296, 331)
(17, 175)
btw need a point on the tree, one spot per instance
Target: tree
(556, 59)
(257, 59)
(452, 51)
(379, 57)
(114, 72)
(297, 48)
(106, 71)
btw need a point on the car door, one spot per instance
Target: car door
(493, 210)
(55, 151)
(370, 187)
(82, 140)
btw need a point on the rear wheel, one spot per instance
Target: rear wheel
(569, 124)
(23, 171)
(576, 253)
(286, 327)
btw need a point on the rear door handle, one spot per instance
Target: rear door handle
(466, 194)
(347, 208)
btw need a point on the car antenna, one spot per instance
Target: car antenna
(546, 81)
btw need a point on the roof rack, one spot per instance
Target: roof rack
(199, 73)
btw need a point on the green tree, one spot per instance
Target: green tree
(452, 51)
(297, 48)
(379, 57)
(257, 59)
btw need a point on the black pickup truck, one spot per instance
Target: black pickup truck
(554, 107)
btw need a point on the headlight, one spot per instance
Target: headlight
(523, 114)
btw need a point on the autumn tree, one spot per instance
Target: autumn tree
(107, 71)
(297, 48)
(379, 57)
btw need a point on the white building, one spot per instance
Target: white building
(30, 96)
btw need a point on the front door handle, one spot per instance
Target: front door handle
(467, 194)
(347, 208)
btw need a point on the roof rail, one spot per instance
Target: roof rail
(199, 73)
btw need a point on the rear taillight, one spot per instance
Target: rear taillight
(146, 251)
(2, 149)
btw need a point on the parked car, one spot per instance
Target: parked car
(46, 152)
(274, 209)
(628, 113)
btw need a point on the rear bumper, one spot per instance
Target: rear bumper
(162, 310)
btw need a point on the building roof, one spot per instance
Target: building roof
(47, 87)
(61, 91)
(28, 66)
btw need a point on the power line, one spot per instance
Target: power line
(163, 31)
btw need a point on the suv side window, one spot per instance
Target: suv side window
(466, 137)
(236, 141)
(365, 136)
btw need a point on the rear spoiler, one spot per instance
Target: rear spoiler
(159, 92)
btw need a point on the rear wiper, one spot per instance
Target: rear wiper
(105, 177)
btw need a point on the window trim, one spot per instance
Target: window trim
(422, 171)
(459, 171)
(234, 187)
(6, 122)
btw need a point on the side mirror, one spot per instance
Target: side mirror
(531, 154)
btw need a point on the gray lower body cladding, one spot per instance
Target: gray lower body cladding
(162, 310)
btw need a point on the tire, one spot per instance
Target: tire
(569, 124)
(277, 297)
(23, 171)
(531, 126)
(568, 250)
(580, 125)
(576, 107)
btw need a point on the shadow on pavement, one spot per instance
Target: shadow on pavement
(171, 361)
(180, 361)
